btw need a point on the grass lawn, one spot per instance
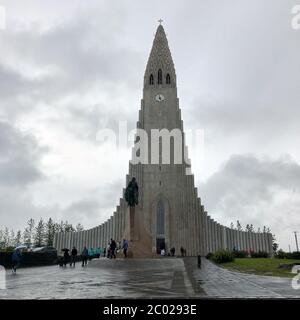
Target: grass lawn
(261, 266)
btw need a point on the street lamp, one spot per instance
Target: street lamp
(296, 240)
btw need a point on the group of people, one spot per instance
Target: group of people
(110, 252)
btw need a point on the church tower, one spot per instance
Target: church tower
(169, 213)
(168, 198)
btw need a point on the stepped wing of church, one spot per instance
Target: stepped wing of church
(170, 211)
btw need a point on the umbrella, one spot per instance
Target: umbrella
(21, 247)
(65, 249)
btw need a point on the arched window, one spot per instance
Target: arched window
(160, 218)
(151, 80)
(159, 77)
(168, 79)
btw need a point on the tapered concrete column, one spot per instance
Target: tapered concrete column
(58, 247)
(101, 235)
(210, 234)
(204, 228)
(79, 242)
(212, 239)
(270, 244)
(218, 236)
(247, 240)
(259, 242)
(205, 232)
(92, 239)
(264, 241)
(215, 235)
(255, 242)
(235, 237)
(105, 234)
(112, 227)
(224, 242)
(242, 240)
(96, 240)
(198, 232)
(118, 232)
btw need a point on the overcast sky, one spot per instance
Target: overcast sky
(71, 68)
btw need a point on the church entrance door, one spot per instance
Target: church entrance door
(160, 244)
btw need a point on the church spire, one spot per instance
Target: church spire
(160, 69)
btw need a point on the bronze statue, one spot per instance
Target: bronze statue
(131, 193)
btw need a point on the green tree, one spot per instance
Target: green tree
(18, 238)
(28, 234)
(50, 231)
(39, 239)
(68, 227)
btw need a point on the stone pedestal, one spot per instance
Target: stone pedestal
(139, 240)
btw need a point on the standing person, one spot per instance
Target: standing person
(125, 247)
(104, 252)
(98, 252)
(113, 246)
(91, 254)
(73, 256)
(172, 251)
(66, 258)
(182, 251)
(108, 250)
(16, 260)
(84, 254)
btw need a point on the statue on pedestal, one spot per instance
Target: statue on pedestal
(132, 193)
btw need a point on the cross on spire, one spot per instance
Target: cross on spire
(160, 20)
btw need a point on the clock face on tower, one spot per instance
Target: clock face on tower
(160, 97)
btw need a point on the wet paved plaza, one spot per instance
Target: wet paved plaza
(102, 278)
(142, 278)
(218, 282)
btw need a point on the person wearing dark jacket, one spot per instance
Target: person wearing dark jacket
(66, 258)
(16, 260)
(73, 256)
(85, 255)
(113, 247)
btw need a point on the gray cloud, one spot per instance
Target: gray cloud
(258, 191)
(19, 157)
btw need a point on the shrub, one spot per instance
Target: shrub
(209, 255)
(222, 256)
(282, 255)
(240, 254)
(292, 255)
(260, 254)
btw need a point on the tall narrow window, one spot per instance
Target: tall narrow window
(159, 78)
(160, 218)
(151, 81)
(168, 79)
